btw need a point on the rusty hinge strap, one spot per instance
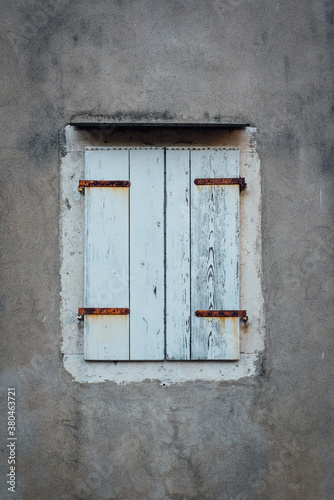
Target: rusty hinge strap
(83, 311)
(222, 314)
(222, 182)
(118, 184)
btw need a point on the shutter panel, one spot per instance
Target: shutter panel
(214, 255)
(147, 294)
(106, 255)
(177, 254)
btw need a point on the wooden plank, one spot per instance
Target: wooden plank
(106, 255)
(177, 255)
(147, 336)
(214, 255)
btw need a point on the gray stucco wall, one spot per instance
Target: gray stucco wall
(265, 62)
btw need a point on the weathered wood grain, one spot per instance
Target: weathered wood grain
(177, 254)
(214, 255)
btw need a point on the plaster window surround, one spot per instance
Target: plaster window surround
(78, 142)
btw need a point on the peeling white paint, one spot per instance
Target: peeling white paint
(252, 334)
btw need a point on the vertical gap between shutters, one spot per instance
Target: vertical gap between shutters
(129, 256)
(190, 312)
(165, 253)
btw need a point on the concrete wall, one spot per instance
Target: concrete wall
(265, 62)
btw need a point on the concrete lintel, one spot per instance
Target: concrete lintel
(105, 124)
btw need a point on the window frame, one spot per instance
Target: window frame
(252, 334)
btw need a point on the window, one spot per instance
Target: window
(74, 140)
(161, 254)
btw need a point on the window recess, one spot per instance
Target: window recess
(162, 250)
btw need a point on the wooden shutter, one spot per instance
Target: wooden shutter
(214, 255)
(106, 255)
(127, 235)
(124, 255)
(202, 254)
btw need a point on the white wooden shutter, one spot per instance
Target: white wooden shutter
(106, 255)
(124, 254)
(214, 255)
(202, 254)
(125, 262)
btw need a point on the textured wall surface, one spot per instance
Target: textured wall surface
(264, 62)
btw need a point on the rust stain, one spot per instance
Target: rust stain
(111, 320)
(121, 318)
(235, 329)
(222, 182)
(103, 311)
(120, 193)
(110, 324)
(222, 324)
(222, 314)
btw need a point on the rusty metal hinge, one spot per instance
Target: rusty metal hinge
(100, 311)
(222, 182)
(118, 184)
(222, 314)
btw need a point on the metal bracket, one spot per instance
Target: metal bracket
(100, 311)
(118, 184)
(222, 314)
(222, 182)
